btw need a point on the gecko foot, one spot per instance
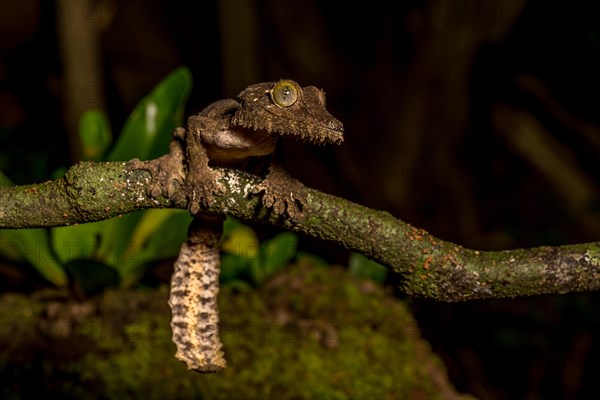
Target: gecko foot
(202, 188)
(282, 193)
(166, 171)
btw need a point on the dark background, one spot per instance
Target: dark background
(475, 120)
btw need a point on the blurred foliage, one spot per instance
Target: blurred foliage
(93, 256)
(244, 259)
(361, 266)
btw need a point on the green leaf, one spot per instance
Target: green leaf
(152, 242)
(274, 254)
(77, 241)
(240, 246)
(117, 248)
(4, 180)
(119, 242)
(234, 268)
(239, 239)
(91, 277)
(58, 173)
(159, 222)
(278, 252)
(94, 134)
(363, 267)
(147, 132)
(106, 241)
(33, 246)
(116, 238)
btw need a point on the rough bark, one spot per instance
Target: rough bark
(430, 267)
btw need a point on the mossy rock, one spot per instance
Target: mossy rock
(309, 332)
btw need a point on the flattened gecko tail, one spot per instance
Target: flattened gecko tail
(193, 301)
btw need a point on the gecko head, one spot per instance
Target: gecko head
(284, 108)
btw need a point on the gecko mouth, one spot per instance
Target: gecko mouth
(331, 134)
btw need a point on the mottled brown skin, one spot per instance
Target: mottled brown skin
(193, 297)
(229, 133)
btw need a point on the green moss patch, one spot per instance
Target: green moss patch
(309, 332)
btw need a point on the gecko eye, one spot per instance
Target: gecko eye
(285, 93)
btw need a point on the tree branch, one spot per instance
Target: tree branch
(430, 267)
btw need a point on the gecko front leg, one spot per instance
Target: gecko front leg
(282, 193)
(167, 176)
(202, 181)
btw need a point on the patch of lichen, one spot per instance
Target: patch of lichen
(309, 332)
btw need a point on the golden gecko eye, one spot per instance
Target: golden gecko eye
(285, 93)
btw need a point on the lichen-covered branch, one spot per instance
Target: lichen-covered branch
(88, 192)
(430, 267)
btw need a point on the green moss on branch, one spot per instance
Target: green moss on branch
(430, 267)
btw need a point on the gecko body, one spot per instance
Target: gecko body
(230, 133)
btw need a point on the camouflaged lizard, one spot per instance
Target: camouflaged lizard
(230, 133)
